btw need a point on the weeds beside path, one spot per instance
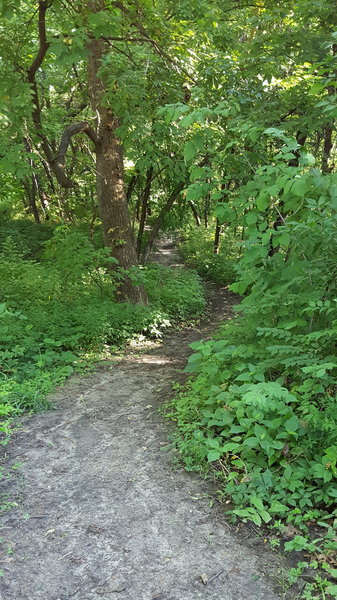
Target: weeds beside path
(100, 510)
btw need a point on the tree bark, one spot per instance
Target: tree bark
(145, 200)
(206, 210)
(31, 195)
(327, 147)
(117, 232)
(216, 247)
(131, 187)
(195, 214)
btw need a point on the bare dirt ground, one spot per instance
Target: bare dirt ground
(102, 512)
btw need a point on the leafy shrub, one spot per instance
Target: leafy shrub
(175, 291)
(78, 263)
(262, 410)
(28, 237)
(57, 311)
(270, 437)
(197, 250)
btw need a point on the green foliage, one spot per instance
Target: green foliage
(59, 312)
(29, 240)
(197, 248)
(178, 292)
(262, 410)
(237, 114)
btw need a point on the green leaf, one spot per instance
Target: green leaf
(251, 218)
(187, 120)
(292, 424)
(265, 445)
(307, 159)
(199, 141)
(300, 187)
(195, 191)
(246, 376)
(256, 519)
(283, 239)
(224, 213)
(231, 447)
(189, 151)
(278, 507)
(257, 502)
(263, 201)
(198, 173)
(213, 443)
(332, 590)
(260, 431)
(196, 356)
(273, 131)
(251, 442)
(213, 455)
(277, 445)
(243, 512)
(265, 516)
(316, 88)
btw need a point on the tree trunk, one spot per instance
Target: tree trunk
(327, 147)
(195, 214)
(216, 247)
(31, 195)
(206, 210)
(117, 232)
(145, 200)
(131, 186)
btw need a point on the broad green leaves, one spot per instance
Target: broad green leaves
(224, 213)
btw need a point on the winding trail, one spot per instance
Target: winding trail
(102, 513)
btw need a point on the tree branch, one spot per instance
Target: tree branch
(43, 44)
(148, 39)
(58, 163)
(128, 56)
(127, 39)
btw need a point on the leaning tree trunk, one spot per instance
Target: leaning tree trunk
(117, 232)
(195, 213)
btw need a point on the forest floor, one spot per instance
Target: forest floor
(102, 509)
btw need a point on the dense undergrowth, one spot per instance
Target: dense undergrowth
(197, 249)
(261, 412)
(58, 312)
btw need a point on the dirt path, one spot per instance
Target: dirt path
(101, 511)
